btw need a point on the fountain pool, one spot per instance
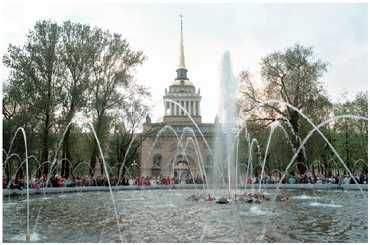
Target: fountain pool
(166, 216)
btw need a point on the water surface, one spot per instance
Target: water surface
(166, 216)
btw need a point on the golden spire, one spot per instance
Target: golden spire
(182, 56)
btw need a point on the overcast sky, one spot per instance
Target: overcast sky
(338, 33)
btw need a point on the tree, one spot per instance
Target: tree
(351, 135)
(65, 70)
(126, 140)
(112, 74)
(34, 79)
(78, 45)
(16, 116)
(293, 77)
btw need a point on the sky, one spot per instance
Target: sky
(337, 31)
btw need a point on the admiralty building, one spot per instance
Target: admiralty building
(175, 147)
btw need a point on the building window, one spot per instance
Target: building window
(168, 108)
(177, 109)
(182, 105)
(157, 158)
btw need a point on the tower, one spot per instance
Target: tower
(160, 152)
(181, 99)
(181, 69)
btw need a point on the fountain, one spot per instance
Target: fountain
(28, 234)
(226, 127)
(187, 215)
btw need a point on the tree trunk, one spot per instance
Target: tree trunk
(121, 157)
(95, 152)
(45, 141)
(93, 159)
(45, 146)
(119, 174)
(324, 164)
(102, 173)
(66, 143)
(20, 173)
(348, 150)
(293, 118)
(7, 172)
(313, 172)
(66, 155)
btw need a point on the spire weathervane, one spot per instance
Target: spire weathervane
(181, 21)
(181, 68)
(182, 56)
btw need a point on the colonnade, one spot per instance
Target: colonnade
(191, 106)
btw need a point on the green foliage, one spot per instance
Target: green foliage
(351, 136)
(65, 70)
(35, 80)
(114, 64)
(293, 76)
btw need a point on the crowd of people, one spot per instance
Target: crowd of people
(58, 181)
(309, 178)
(78, 181)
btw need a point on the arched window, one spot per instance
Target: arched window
(180, 159)
(157, 158)
(181, 167)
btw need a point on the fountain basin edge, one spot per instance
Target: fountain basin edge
(56, 190)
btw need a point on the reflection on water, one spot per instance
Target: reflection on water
(21, 237)
(329, 205)
(256, 210)
(165, 216)
(305, 197)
